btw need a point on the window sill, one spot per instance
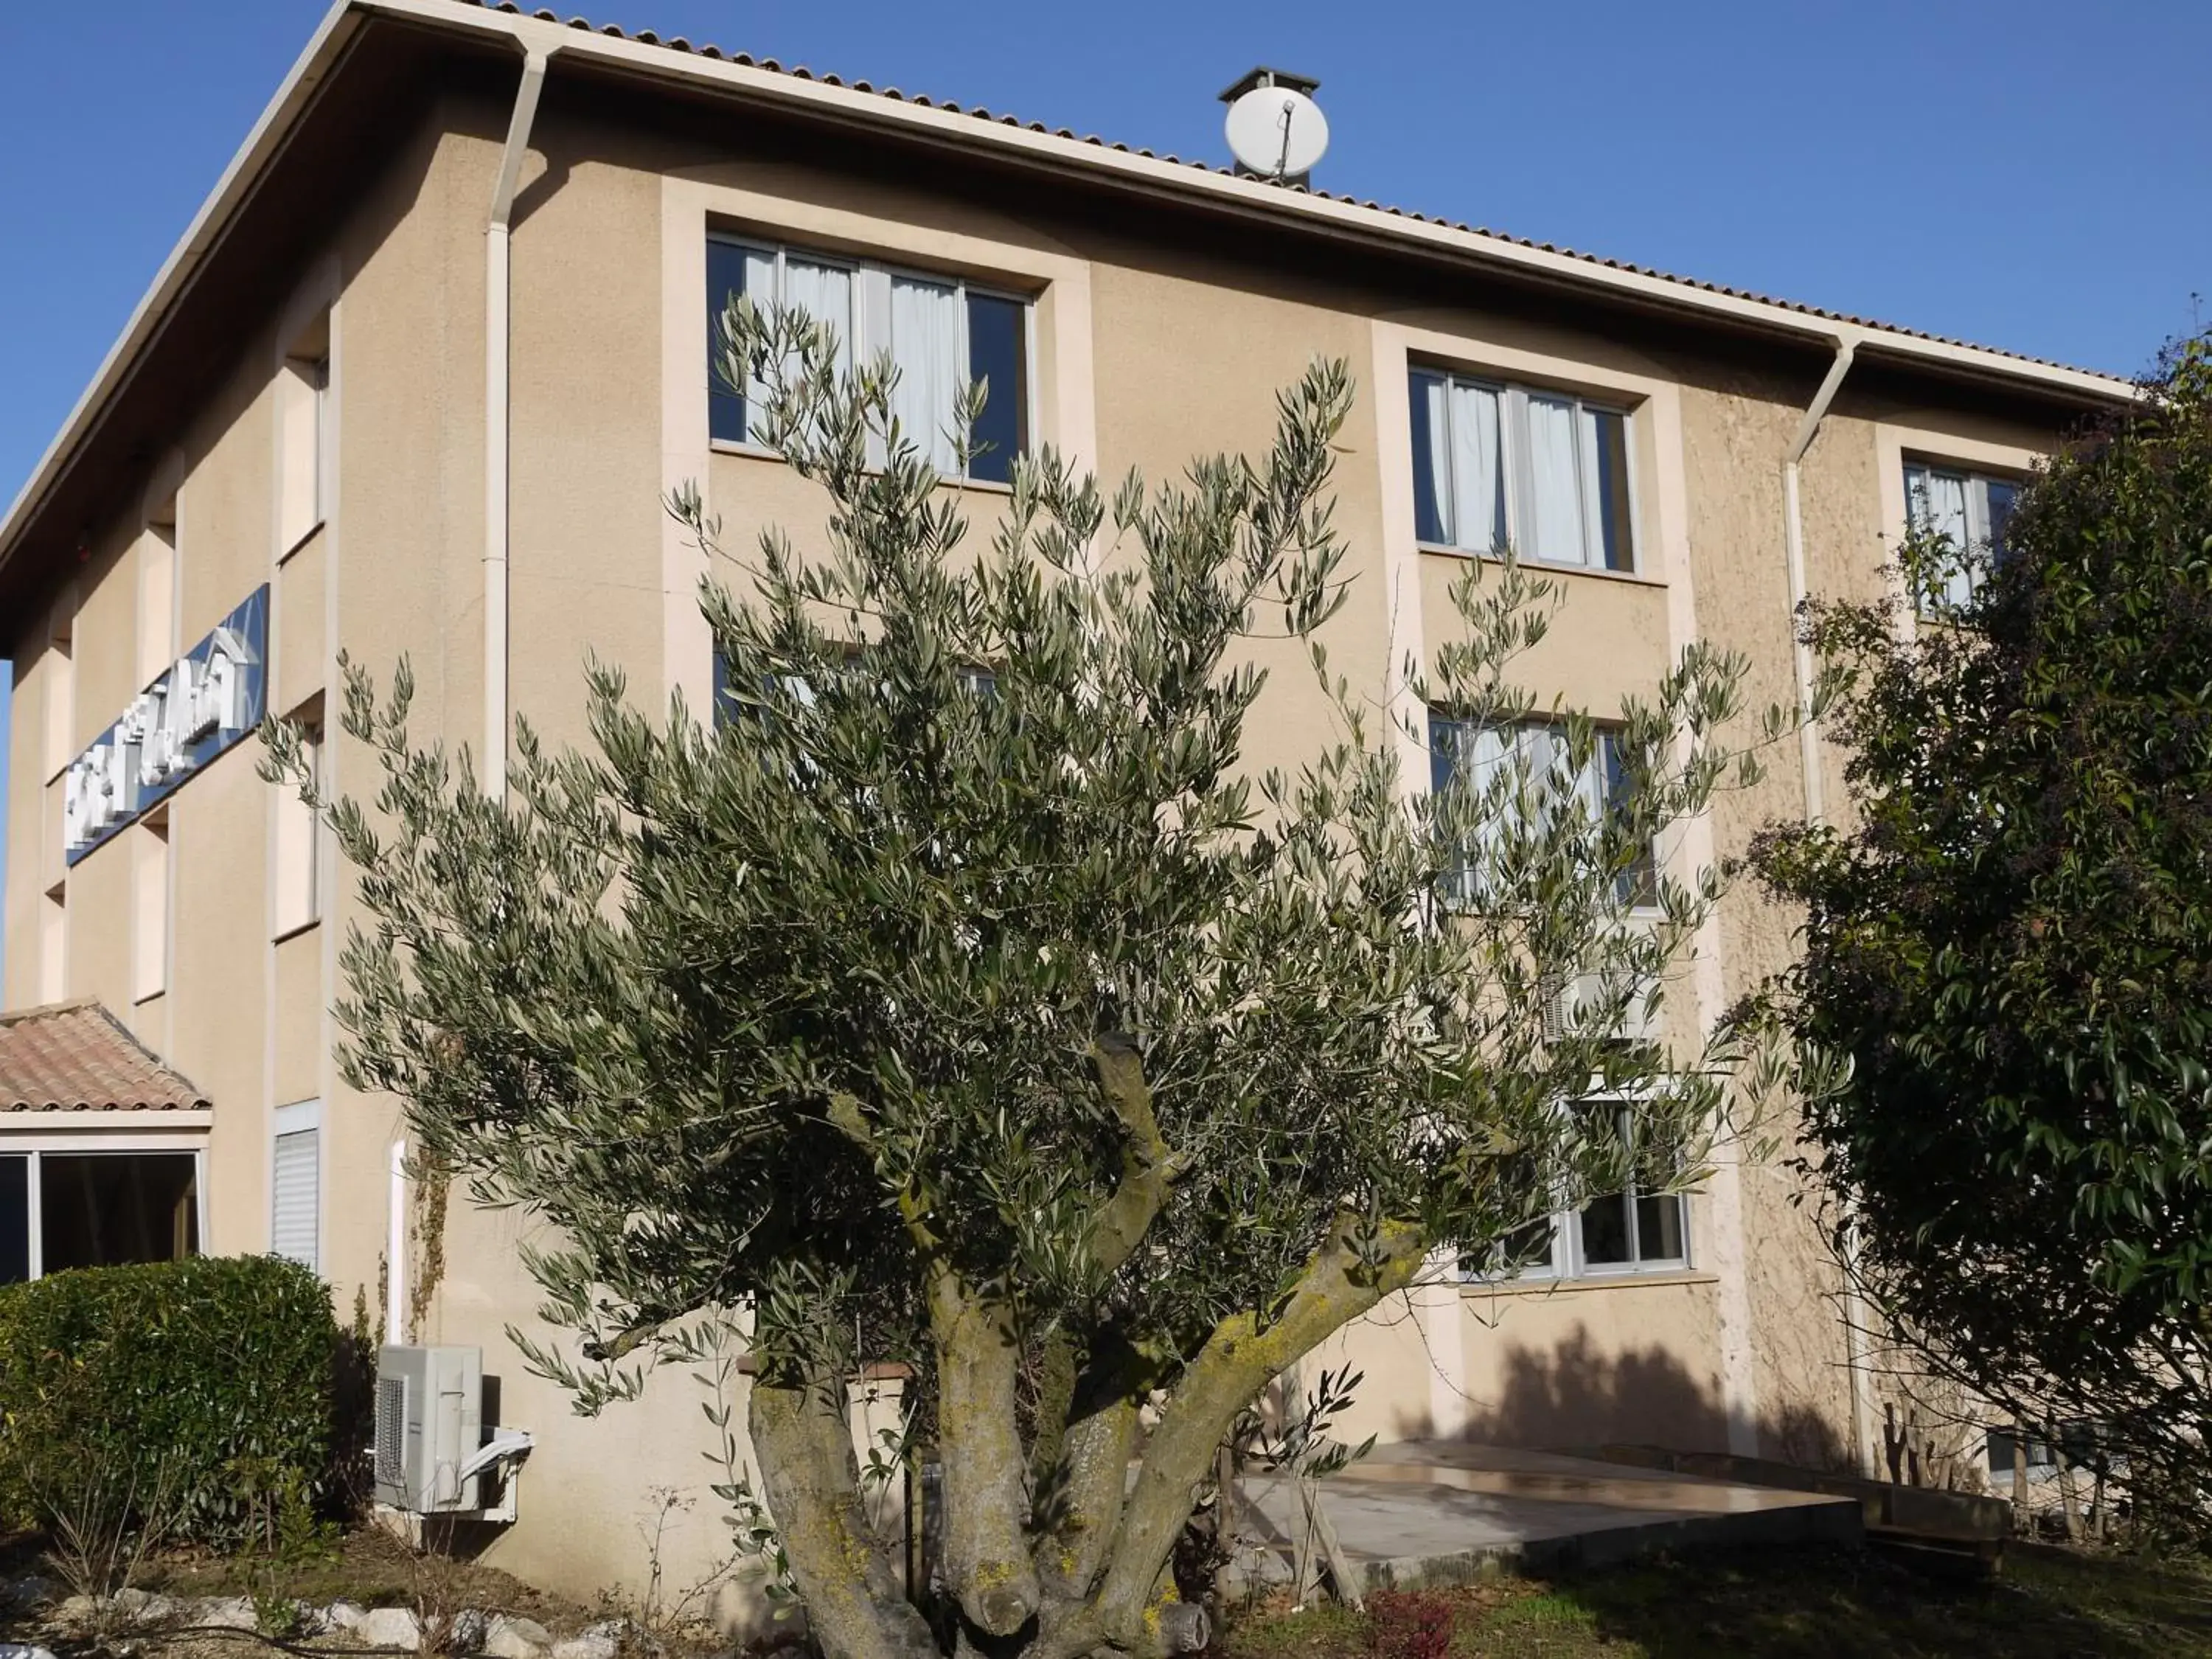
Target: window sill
(1519, 1287)
(296, 930)
(755, 453)
(1633, 577)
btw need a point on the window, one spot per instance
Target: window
(53, 944)
(940, 334)
(157, 592)
(302, 394)
(298, 902)
(69, 1208)
(1621, 1233)
(2079, 1440)
(1498, 466)
(149, 905)
(1602, 785)
(295, 1182)
(1968, 510)
(57, 689)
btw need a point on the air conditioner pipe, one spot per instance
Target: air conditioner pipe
(1816, 812)
(497, 307)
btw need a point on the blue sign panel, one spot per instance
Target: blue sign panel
(211, 696)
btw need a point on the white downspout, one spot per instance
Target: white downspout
(1808, 731)
(1816, 812)
(395, 1252)
(496, 304)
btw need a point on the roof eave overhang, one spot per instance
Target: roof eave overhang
(236, 187)
(1003, 144)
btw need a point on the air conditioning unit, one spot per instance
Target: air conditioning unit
(429, 1428)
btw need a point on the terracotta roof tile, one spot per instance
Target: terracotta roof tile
(645, 37)
(76, 1057)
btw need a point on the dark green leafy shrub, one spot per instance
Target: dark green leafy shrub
(207, 1380)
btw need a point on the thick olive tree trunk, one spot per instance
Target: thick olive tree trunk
(1095, 1580)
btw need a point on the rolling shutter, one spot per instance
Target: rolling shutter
(296, 1184)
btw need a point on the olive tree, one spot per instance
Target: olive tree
(953, 996)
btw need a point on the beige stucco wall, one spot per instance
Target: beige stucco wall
(1148, 353)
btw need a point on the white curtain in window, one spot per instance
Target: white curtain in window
(824, 293)
(1477, 508)
(1939, 507)
(761, 290)
(925, 345)
(1554, 530)
(1436, 393)
(1478, 754)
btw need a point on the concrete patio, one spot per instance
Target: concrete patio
(1438, 1512)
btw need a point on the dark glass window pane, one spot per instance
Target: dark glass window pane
(1659, 1228)
(2003, 497)
(101, 1209)
(1446, 739)
(998, 352)
(726, 404)
(722, 706)
(1428, 486)
(1526, 1249)
(1605, 1232)
(1638, 884)
(1612, 489)
(15, 1220)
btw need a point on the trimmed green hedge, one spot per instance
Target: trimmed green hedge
(204, 1385)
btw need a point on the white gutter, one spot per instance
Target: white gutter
(497, 301)
(1056, 156)
(1043, 152)
(1808, 729)
(1856, 1317)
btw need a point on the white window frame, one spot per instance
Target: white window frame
(1514, 464)
(860, 348)
(1568, 1264)
(104, 1143)
(300, 1117)
(1977, 481)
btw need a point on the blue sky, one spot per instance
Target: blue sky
(2018, 173)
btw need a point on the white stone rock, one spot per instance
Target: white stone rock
(78, 1611)
(24, 1650)
(389, 1628)
(341, 1615)
(225, 1613)
(468, 1631)
(600, 1641)
(511, 1638)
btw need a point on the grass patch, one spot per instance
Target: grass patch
(1794, 1604)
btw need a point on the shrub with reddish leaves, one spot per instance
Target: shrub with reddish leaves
(1409, 1625)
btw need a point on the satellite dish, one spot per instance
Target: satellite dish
(1276, 131)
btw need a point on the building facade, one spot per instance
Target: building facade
(416, 386)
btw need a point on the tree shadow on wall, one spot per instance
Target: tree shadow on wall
(1573, 1395)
